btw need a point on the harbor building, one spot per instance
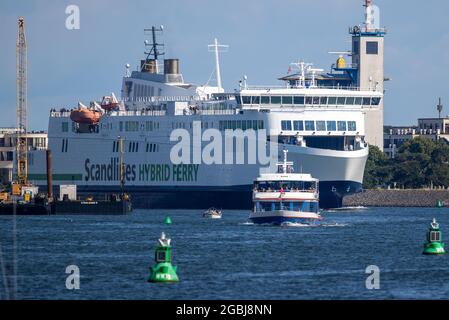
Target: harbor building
(36, 140)
(429, 128)
(368, 68)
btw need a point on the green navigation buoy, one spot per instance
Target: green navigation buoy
(167, 220)
(434, 244)
(163, 270)
(439, 204)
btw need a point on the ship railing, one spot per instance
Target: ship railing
(163, 99)
(59, 114)
(349, 88)
(142, 112)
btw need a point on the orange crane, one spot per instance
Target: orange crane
(22, 110)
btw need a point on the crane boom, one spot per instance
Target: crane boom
(21, 107)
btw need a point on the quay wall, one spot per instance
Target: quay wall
(398, 198)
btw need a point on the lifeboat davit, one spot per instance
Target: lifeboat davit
(85, 115)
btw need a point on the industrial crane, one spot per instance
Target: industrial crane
(21, 109)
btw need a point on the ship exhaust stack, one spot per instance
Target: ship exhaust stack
(148, 65)
(171, 66)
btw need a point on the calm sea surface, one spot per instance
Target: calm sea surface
(228, 258)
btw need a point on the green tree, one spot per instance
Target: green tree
(377, 169)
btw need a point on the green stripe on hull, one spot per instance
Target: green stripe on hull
(56, 177)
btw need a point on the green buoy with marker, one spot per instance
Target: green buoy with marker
(434, 244)
(163, 270)
(167, 220)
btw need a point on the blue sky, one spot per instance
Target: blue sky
(264, 37)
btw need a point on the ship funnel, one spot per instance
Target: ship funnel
(171, 66)
(148, 65)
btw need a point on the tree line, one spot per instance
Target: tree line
(418, 163)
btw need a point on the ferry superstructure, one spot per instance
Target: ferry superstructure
(318, 117)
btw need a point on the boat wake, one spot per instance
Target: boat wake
(356, 208)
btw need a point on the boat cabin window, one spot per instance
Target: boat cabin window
(161, 256)
(341, 125)
(310, 125)
(332, 100)
(341, 100)
(366, 101)
(298, 125)
(352, 126)
(265, 100)
(246, 99)
(287, 100)
(375, 101)
(286, 125)
(299, 100)
(358, 101)
(331, 126)
(321, 126)
(350, 101)
(434, 236)
(255, 100)
(275, 100)
(276, 186)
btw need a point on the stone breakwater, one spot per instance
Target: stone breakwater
(397, 198)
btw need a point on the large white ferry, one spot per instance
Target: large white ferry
(317, 116)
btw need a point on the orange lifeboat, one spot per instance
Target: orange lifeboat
(109, 103)
(85, 115)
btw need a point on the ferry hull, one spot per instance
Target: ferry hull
(234, 198)
(283, 217)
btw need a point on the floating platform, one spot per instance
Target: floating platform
(82, 207)
(26, 209)
(79, 207)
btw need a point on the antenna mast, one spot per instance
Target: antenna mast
(154, 51)
(21, 107)
(368, 15)
(215, 48)
(439, 108)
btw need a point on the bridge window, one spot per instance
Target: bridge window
(287, 100)
(341, 100)
(316, 100)
(265, 100)
(309, 100)
(352, 126)
(372, 47)
(350, 101)
(366, 101)
(321, 126)
(323, 100)
(332, 100)
(298, 125)
(275, 100)
(375, 101)
(299, 100)
(286, 125)
(310, 125)
(238, 99)
(331, 126)
(255, 100)
(246, 99)
(341, 125)
(358, 101)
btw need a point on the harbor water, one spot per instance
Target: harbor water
(228, 258)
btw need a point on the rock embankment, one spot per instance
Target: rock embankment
(398, 198)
